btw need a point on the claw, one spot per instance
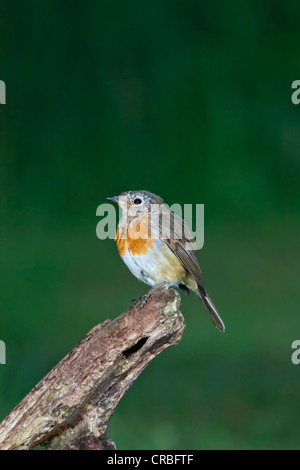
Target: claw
(143, 300)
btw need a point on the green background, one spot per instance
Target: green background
(190, 100)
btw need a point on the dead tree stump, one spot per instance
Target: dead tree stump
(71, 406)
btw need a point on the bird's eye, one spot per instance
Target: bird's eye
(137, 201)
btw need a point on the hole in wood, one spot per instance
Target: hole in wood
(135, 347)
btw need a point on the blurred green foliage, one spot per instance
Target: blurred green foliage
(190, 100)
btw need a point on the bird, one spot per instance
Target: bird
(156, 252)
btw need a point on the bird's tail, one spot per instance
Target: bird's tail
(217, 320)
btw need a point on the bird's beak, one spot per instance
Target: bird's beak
(113, 198)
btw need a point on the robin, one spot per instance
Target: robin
(156, 252)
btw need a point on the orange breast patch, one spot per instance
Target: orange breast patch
(135, 239)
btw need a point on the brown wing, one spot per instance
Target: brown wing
(179, 240)
(180, 243)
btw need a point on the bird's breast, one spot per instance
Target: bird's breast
(134, 238)
(150, 260)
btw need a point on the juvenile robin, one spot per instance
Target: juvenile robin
(155, 244)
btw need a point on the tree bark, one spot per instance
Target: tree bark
(71, 406)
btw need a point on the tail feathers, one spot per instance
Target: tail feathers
(217, 320)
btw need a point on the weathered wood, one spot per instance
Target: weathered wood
(71, 406)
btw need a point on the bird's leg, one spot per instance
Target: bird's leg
(143, 300)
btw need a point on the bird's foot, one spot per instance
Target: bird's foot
(143, 300)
